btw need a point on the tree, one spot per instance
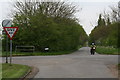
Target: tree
(48, 24)
(101, 22)
(50, 9)
(108, 21)
(115, 13)
(107, 35)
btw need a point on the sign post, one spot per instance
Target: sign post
(6, 49)
(10, 31)
(6, 23)
(10, 52)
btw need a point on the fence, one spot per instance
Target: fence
(24, 48)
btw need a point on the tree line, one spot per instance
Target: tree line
(106, 33)
(47, 24)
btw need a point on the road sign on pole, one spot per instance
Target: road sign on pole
(10, 31)
(6, 23)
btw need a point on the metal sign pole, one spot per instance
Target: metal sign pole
(10, 52)
(6, 49)
(6, 23)
(10, 31)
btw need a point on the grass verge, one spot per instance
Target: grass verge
(37, 53)
(107, 50)
(13, 72)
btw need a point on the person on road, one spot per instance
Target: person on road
(93, 47)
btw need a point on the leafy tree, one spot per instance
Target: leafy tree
(48, 24)
(101, 22)
(108, 21)
(105, 35)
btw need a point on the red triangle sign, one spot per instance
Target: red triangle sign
(10, 31)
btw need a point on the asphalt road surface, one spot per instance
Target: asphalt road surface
(79, 64)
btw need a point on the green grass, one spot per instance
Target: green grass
(38, 53)
(107, 50)
(14, 71)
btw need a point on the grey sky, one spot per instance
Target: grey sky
(87, 16)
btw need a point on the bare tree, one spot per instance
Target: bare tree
(27, 8)
(119, 11)
(114, 14)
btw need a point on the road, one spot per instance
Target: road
(79, 64)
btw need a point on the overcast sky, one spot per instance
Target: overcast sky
(88, 16)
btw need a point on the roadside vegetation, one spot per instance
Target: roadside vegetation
(106, 33)
(107, 50)
(14, 71)
(38, 53)
(47, 24)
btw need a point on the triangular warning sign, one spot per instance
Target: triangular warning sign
(10, 31)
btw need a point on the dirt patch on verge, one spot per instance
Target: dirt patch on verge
(114, 70)
(31, 74)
